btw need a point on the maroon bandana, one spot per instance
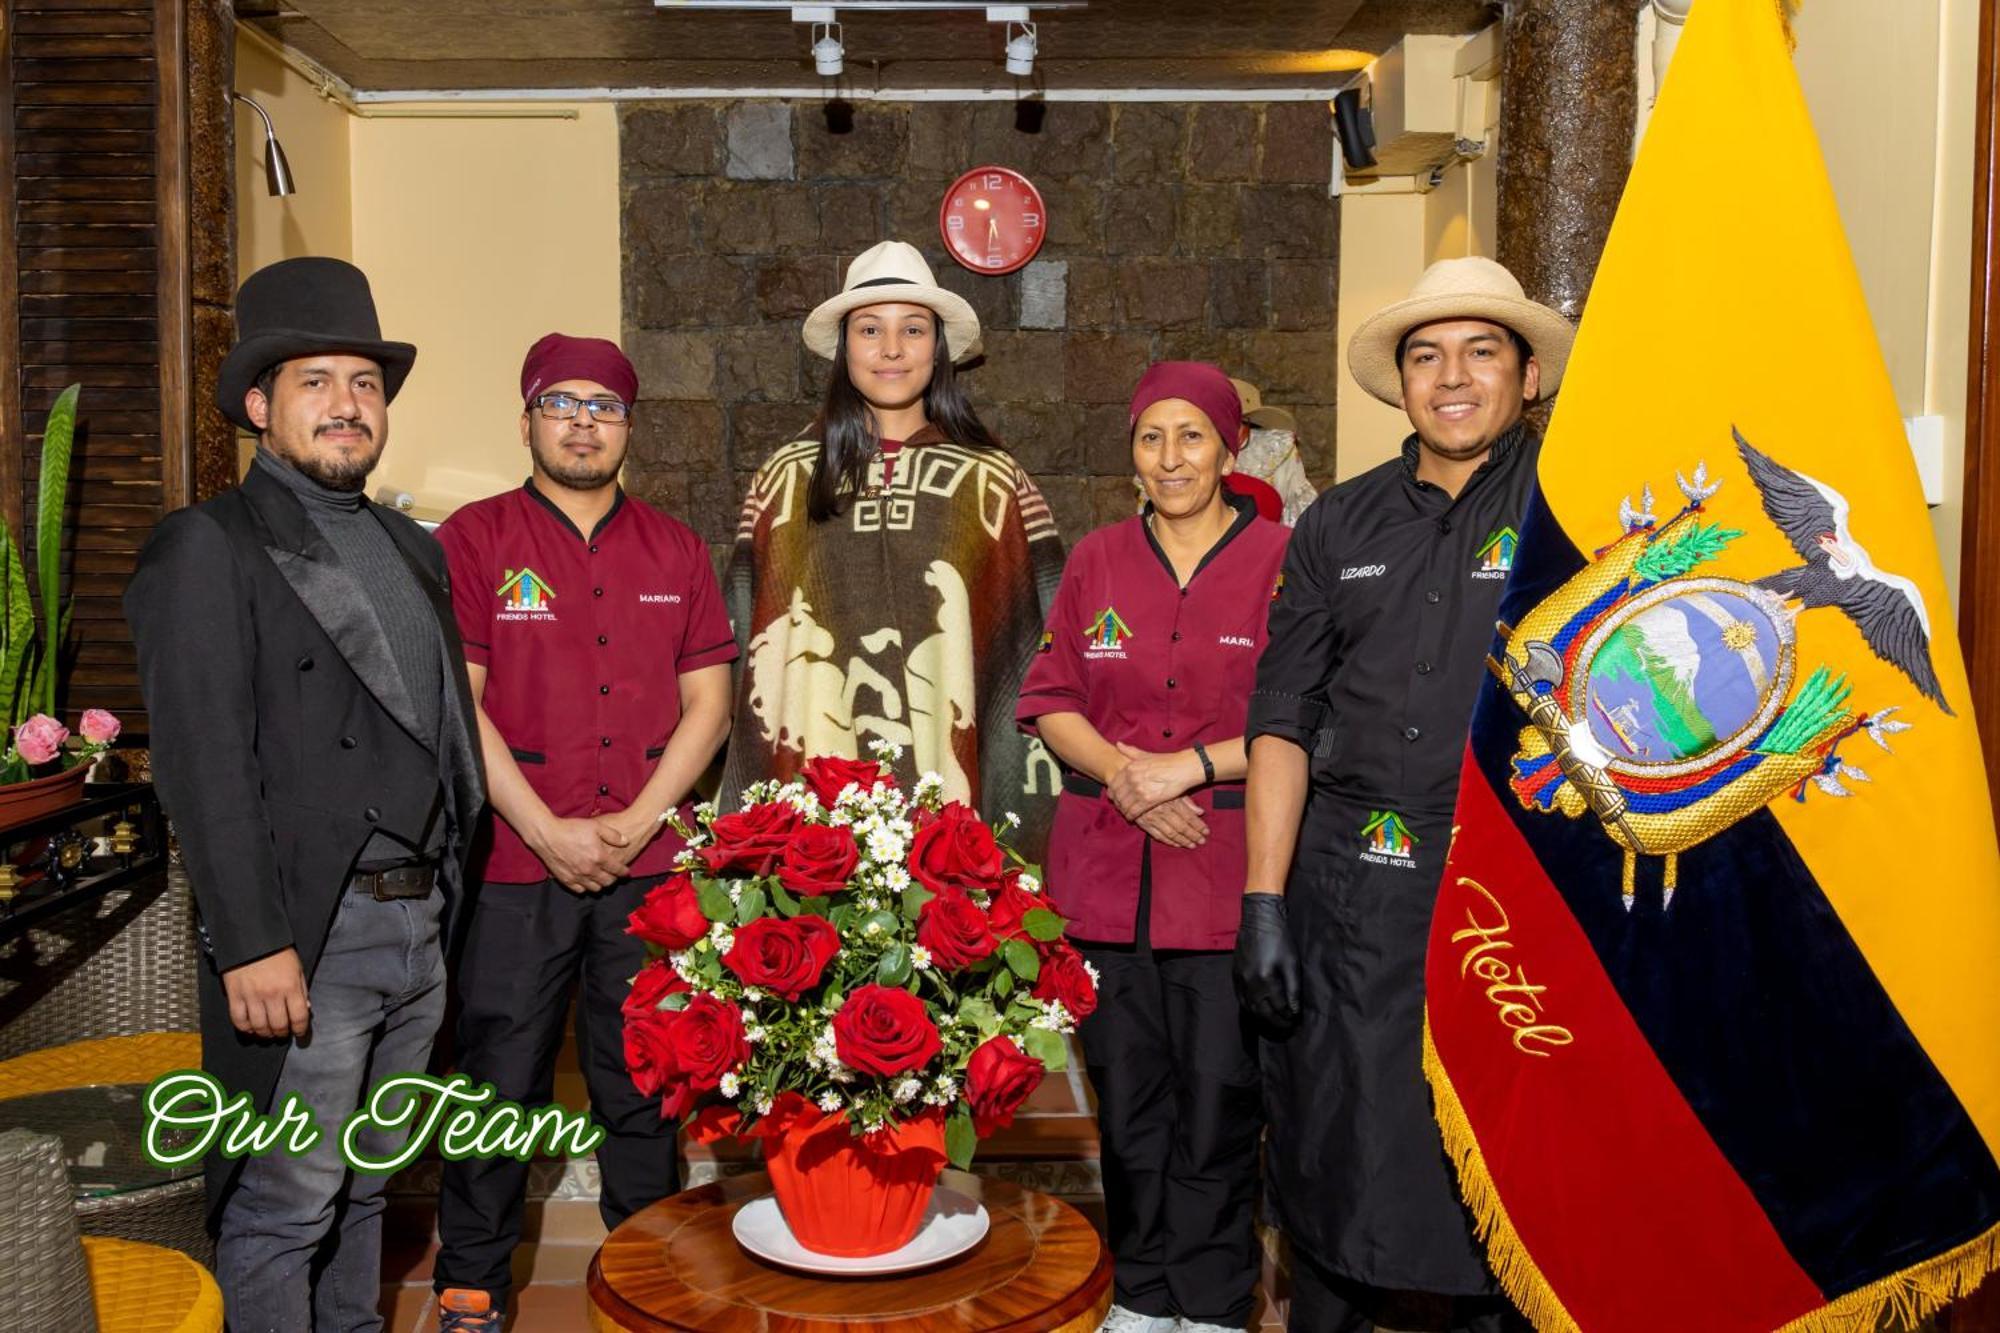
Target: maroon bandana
(558, 357)
(1199, 383)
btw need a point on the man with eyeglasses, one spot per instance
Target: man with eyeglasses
(599, 653)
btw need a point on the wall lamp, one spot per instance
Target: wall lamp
(277, 171)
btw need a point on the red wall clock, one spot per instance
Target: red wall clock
(993, 220)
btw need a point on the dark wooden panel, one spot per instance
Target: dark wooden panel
(102, 398)
(97, 73)
(101, 417)
(93, 45)
(101, 448)
(116, 467)
(58, 259)
(73, 140)
(91, 235)
(101, 377)
(120, 563)
(85, 117)
(86, 187)
(40, 283)
(82, 164)
(85, 94)
(85, 353)
(41, 21)
(1979, 551)
(60, 211)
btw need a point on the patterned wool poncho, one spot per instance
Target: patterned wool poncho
(912, 618)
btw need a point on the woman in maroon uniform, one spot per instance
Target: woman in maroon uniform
(1142, 689)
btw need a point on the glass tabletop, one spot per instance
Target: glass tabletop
(100, 1127)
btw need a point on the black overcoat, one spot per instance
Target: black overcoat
(282, 737)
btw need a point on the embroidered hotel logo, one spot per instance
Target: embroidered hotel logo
(1496, 556)
(1277, 587)
(1107, 633)
(525, 595)
(1048, 641)
(1387, 841)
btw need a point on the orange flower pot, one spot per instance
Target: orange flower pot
(23, 801)
(845, 1195)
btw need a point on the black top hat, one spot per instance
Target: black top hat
(298, 307)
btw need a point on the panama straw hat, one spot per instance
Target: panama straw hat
(1473, 288)
(893, 271)
(1258, 413)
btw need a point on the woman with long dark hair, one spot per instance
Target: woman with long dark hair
(890, 573)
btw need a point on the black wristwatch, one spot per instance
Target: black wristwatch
(1207, 765)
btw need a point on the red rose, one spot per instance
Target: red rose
(751, 840)
(957, 851)
(655, 982)
(826, 777)
(1009, 904)
(1064, 979)
(705, 1041)
(818, 859)
(953, 928)
(649, 1056)
(671, 916)
(998, 1079)
(884, 1030)
(784, 957)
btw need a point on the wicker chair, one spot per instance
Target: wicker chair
(105, 993)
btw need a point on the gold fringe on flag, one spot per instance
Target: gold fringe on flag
(1505, 1254)
(1900, 1300)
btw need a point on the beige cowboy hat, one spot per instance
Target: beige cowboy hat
(1473, 288)
(1257, 414)
(893, 271)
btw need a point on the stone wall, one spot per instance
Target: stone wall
(1175, 230)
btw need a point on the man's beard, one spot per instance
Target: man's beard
(343, 471)
(578, 474)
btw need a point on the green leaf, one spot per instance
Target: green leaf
(714, 900)
(894, 969)
(981, 1014)
(678, 1000)
(57, 437)
(787, 905)
(815, 905)
(17, 631)
(914, 899)
(1003, 983)
(1021, 959)
(884, 921)
(1046, 1046)
(749, 905)
(961, 1140)
(1670, 559)
(1042, 924)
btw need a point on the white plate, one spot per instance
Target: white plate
(953, 1224)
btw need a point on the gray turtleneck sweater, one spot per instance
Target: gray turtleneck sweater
(366, 550)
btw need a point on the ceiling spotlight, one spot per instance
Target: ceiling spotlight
(1020, 49)
(827, 51)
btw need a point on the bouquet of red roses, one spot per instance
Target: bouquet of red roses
(872, 951)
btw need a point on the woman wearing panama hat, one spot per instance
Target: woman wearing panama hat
(891, 568)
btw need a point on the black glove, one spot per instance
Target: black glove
(1266, 968)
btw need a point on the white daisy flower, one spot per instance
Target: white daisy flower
(920, 957)
(829, 1101)
(731, 1085)
(763, 1106)
(1030, 883)
(907, 1090)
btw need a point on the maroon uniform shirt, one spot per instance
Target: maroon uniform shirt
(584, 640)
(1159, 667)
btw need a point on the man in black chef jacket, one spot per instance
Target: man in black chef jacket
(1357, 727)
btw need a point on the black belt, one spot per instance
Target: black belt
(1228, 795)
(400, 882)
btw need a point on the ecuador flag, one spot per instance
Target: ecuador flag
(1713, 1019)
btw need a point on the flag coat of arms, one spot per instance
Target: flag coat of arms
(1713, 1025)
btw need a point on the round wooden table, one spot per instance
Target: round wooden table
(675, 1266)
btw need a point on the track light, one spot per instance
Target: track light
(1021, 46)
(827, 52)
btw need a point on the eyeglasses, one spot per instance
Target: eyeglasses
(563, 406)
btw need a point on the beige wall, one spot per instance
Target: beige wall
(473, 255)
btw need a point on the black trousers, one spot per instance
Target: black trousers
(1325, 1302)
(526, 947)
(1179, 1115)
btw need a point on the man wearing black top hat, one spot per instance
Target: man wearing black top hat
(310, 741)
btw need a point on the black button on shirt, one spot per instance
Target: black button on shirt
(1384, 571)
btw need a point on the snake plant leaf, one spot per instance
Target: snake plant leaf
(58, 437)
(17, 630)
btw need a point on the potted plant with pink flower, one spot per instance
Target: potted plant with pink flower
(41, 770)
(866, 979)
